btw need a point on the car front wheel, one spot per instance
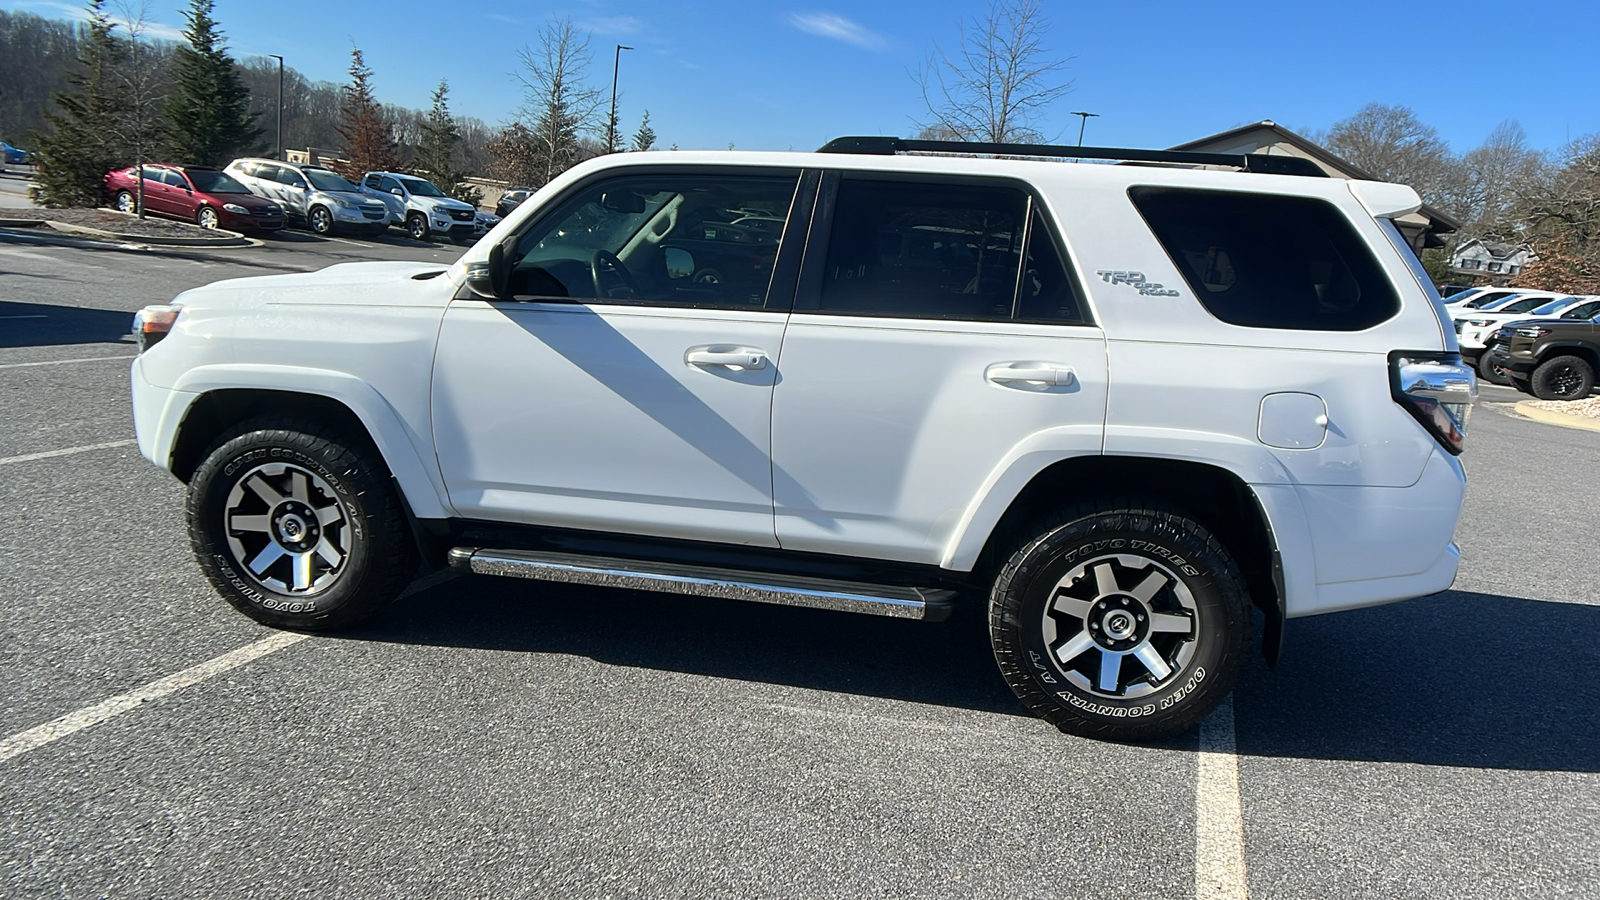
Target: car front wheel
(1563, 378)
(298, 529)
(1123, 621)
(207, 218)
(321, 220)
(417, 226)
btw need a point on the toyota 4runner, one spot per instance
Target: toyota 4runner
(1113, 406)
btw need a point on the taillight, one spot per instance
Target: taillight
(1436, 388)
(152, 323)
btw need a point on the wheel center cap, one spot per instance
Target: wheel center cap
(295, 526)
(1119, 625)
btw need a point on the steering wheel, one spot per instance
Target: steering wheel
(612, 280)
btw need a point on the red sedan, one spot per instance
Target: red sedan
(210, 198)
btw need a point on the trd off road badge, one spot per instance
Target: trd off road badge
(1135, 280)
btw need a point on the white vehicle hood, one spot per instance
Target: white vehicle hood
(346, 284)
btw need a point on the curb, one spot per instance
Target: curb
(1527, 410)
(21, 223)
(232, 240)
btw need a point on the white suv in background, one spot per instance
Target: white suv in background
(1113, 407)
(319, 198)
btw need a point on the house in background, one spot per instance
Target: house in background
(1490, 260)
(1423, 228)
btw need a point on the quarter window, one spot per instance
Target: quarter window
(674, 239)
(1267, 261)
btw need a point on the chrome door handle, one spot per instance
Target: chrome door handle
(1043, 373)
(742, 358)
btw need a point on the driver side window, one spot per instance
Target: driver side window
(695, 240)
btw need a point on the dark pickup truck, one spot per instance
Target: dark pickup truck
(1552, 359)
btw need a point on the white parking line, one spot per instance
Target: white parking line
(5, 318)
(29, 457)
(89, 716)
(343, 241)
(73, 722)
(1219, 821)
(62, 362)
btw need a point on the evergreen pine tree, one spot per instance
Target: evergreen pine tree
(437, 152)
(81, 146)
(645, 137)
(209, 121)
(369, 144)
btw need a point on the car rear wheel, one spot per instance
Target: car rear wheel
(1121, 620)
(1563, 378)
(1492, 373)
(417, 226)
(321, 220)
(207, 218)
(127, 203)
(298, 527)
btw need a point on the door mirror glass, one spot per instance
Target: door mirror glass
(397, 192)
(679, 263)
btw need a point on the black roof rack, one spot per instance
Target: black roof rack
(1248, 162)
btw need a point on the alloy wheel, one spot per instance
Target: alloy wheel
(1121, 626)
(126, 203)
(321, 221)
(287, 529)
(208, 218)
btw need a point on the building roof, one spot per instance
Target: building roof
(1440, 222)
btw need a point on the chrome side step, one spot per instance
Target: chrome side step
(929, 604)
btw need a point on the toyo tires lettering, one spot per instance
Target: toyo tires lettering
(1134, 712)
(1164, 553)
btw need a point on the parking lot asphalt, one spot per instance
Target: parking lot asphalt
(493, 738)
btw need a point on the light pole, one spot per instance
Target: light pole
(280, 103)
(1083, 120)
(611, 123)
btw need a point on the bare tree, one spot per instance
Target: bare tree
(1391, 144)
(1492, 178)
(997, 84)
(561, 106)
(143, 73)
(1561, 218)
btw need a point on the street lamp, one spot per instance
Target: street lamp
(611, 123)
(1083, 120)
(280, 103)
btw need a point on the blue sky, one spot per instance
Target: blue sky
(775, 75)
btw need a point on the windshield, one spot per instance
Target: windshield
(1496, 305)
(421, 188)
(324, 180)
(1523, 305)
(1485, 301)
(1553, 306)
(215, 182)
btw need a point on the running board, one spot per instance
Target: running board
(928, 604)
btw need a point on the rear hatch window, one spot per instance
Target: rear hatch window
(1268, 261)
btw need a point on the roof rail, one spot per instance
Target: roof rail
(1248, 162)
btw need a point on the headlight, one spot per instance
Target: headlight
(1479, 323)
(236, 208)
(152, 323)
(1534, 332)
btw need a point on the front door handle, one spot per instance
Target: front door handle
(1033, 373)
(741, 358)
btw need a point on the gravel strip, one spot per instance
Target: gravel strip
(1589, 408)
(111, 220)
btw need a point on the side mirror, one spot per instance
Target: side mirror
(490, 280)
(680, 263)
(397, 192)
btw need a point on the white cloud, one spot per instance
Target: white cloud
(838, 28)
(152, 30)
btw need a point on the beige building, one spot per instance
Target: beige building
(1424, 228)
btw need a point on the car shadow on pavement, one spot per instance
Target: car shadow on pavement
(1458, 679)
(945, 663)
(42, 324)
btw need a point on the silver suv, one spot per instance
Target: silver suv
(319, 198)
(419, 207)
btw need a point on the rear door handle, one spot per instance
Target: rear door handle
(1044, 373)
(726, 356)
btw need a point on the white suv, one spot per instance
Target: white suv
(419, 207)
(1114, 406)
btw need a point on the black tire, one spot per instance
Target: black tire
(319, 220)
(1563, 378)
(1490, 372)
(417, 226)
(330, 489)
(1053, 582)
(206, 217)
(126, 202)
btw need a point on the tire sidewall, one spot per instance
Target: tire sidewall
(1543, 375)
(211, 486)
(1190, 694)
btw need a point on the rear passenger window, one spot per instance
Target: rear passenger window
(921, 250)
(1265, 261)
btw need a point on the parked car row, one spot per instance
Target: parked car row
(14, 156)
(1487, 331)
(260, 195)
